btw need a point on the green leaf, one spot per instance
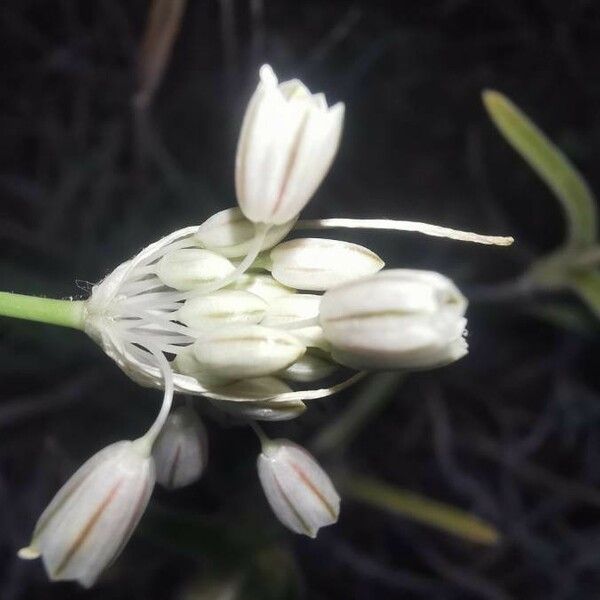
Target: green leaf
(587, 285)
(420, 508)
(553, 167)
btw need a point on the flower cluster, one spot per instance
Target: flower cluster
(256, 325)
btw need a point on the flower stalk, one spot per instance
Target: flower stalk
(66, 313)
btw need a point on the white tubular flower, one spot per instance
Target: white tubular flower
(230, 234)
(91, 518)
(397, 319)
(242, 351)
(319, 264)
(181, 450)
(288, 140)
(298, 490)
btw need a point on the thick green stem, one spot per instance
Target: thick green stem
(66, 313)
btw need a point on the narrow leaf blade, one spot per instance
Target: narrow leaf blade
(552, 166)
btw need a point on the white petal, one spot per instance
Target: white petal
(313, 156)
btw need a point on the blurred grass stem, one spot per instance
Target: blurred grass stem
(162, 27)
(420, 508)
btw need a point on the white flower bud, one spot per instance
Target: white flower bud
(93, 515)
(298, 307)
(243, 351)
(287, 309)
(185, 363)
(320, 264)
(222, 308)
(298, 490)
(287, 143)
(245, 407)
(309, 368)
(181, 450)
(397, 319)
(230, 234)
(263, 286)
(187, 268)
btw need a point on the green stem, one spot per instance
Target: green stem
(67, 313)
(420, 508)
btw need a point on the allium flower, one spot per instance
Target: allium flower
(184, 315)
(288, 140)
(298, 490)
(93, 515)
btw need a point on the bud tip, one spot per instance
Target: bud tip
(28, 553)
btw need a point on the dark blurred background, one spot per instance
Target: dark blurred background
(511, 433)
